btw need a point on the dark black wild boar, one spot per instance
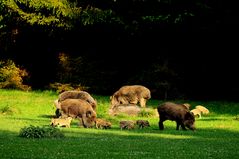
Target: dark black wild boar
(178, 113)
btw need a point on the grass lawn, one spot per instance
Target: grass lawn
(217, 134)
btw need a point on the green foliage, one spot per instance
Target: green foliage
(146, 113)
(159, 18)
(12, 76)
(40, 132)
(168, 18)
(54, 13)
(47, 12)
(59, 87)
(92, 15)
(2, 15)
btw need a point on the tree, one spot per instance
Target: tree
(12, 76)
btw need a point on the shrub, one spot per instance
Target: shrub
(40, 132)
(59, 87)
(11, 76)
(146, 113)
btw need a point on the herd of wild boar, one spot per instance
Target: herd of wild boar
(81, 105)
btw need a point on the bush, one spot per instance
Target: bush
(40, 132)
(11, 76)
(59, 87)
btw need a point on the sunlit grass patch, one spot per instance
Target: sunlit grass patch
(216, 134)
(9, 110)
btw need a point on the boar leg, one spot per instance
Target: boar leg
(142, 102)
(183, 127)
(80, 121)
(58, 113)
(161, 127)
(180, 124)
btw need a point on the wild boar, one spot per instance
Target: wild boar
(103, 124)
(127, 124)
(131, 94)
(176, 112)
(196, 112)
(73, 94)
(62, 122)
(78, 108)
(187, 105)
(203, 109)
(142, 123)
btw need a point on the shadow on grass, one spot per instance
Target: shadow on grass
(206, 132)
(47, 116)
(213, 119)
(169, 132)
(114, 143)
(28, 119)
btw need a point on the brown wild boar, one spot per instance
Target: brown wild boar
(73, 94)
(176, 112)
(142, 123)
(127, 124)
(102, 124)
(131, 94)
(187, 105)
(78, 108)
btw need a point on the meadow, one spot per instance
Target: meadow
(217, 134)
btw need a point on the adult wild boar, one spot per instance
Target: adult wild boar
(178, 113)
(74, 94)
(131, 94)
(78, 108)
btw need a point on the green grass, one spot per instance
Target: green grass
(217, 135)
